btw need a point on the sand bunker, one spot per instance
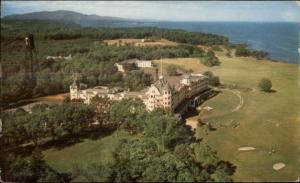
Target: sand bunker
(278, 166)
(192, 123)
(246, 148)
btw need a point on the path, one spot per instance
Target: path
(193, 122)
(236, 93)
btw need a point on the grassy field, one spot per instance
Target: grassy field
(266, 121)
(88, 151)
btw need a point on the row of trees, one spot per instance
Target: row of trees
(46, 122)
(243, 51)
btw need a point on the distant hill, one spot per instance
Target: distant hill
(68, 16)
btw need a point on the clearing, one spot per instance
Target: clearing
(89, 150)
(138, 42)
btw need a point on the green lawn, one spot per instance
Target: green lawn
(266, 120)
(88, 151)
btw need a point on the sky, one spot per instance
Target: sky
(255, 11)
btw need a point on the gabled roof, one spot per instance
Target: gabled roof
(74, 85)
(162, 85)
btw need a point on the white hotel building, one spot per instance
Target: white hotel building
(158, 95)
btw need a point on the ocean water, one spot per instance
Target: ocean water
(280, 40)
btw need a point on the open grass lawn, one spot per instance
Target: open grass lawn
(266, 121)
(88, 151)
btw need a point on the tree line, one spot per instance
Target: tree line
(241, 50)
(58, 31)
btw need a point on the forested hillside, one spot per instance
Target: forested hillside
(94, 61)
(91, 59)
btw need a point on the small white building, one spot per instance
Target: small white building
(132, 64)
(144, 63)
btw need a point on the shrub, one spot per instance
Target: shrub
(265, 84)
(242, 51)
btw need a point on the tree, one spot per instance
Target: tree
(14, 129)
(28, 169)
(127, 114)
(133, 157)
(103, 106)
(210, 59)
(36, 126)
(205, 155)
(20, 170)
(167, 129)
(33, 169)
(242, 51)
(159, 170)
(265, 85)
(77, 118)
(56, 119)
(137, 80)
